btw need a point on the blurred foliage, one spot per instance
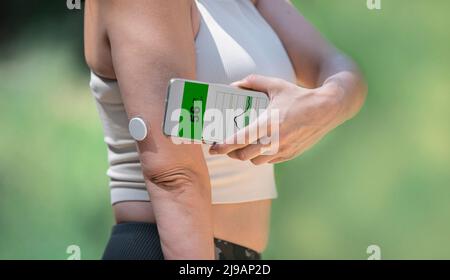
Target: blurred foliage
(382, 178)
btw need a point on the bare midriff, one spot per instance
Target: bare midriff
(246, 223)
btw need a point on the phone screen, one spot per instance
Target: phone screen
(195, 96)
(233, 106)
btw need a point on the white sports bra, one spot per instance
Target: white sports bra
(233, 41)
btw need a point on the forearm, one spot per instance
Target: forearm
(314, 59)
(181, 200)
(350, 89)
(176, 176)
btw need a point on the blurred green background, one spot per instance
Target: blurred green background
(382, 178)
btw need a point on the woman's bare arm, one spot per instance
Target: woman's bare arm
(315, 61)
(152, 41)
(331, 92)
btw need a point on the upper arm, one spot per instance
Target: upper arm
(152, 42)
(306, 48)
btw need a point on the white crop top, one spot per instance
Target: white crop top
(233, 41)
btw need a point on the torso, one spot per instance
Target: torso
(244, 223)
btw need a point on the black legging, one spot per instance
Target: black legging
(140, 241)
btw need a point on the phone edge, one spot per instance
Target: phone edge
(166, 103)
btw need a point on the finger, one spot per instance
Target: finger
(250, 134)
(222, 149)
(248, 152)
(304, 146)
(278, 160)
(259, 83)
(237, 83)
(261, 159)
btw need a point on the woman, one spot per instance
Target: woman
(183, 201)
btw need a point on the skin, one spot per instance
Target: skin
(143, 44)
(330, 91)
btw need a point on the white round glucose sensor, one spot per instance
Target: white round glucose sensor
(137, 128)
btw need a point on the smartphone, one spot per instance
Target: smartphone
(209, 112)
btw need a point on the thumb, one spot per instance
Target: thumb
(258, 83)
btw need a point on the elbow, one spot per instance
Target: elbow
(177, 181)
(357, 101)
(356, 94)
(358, 88)
(361, 93)
(171, 178)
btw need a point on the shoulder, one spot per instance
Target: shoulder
(147, 10)
(117, 24)
(146, 19)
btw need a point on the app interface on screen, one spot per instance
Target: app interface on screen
(235, 107)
